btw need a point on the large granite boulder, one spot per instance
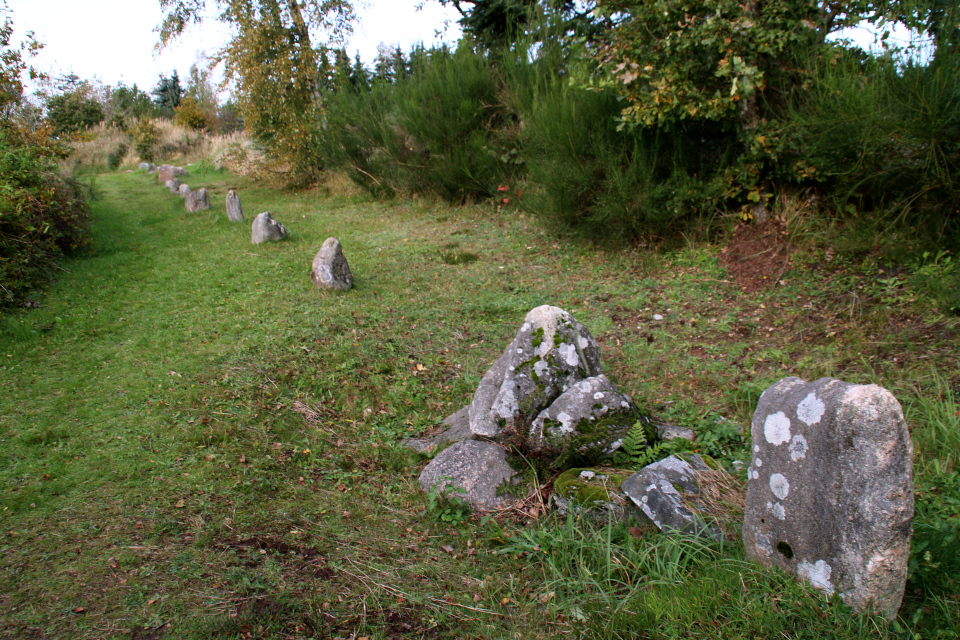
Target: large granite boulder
(184, 190)
(330, 269)
(589, 420)
(830, 493)
(473, 471)
(197, 201)
(165, 173)
(173, 185)
(666, 492)
(234, 210)
(551, 353)
(266, 229)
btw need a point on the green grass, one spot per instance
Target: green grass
(159, 476)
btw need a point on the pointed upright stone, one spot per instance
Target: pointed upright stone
(165, 173)
(266, 229)
(330, 269)
(830, 491)
(234, 210)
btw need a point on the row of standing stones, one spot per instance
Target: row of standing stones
(829, 496)
(329, 269)
(829, 493)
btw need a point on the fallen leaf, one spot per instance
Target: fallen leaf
(636, 532)
(179, 505)
(78, 609)
(476, 597)
(447, 548)
(149, 602)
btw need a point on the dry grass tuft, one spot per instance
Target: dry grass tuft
(722, 498)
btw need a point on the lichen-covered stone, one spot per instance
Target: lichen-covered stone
(173, 185)
(234, 210)
(590, 418)
(184, 190)
(266, 229)
(473, 471)
(666, 490)
(594, 494)
(830, 493)
(197, 201)
(330, 269)
(551, 352)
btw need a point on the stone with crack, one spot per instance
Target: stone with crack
(266, 229)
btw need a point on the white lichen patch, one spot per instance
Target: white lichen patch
(569, 354)
(540, 367)
(598, 395)
(756, 448)
(798, 448)
(759, 463)
(566, 423)
(776, 428)
(587, 475)
(810, 409)
(615, 445)
(779, 485)
(778, 511)
(817, 574)
(583, 342)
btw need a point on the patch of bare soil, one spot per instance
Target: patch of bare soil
(757, 255)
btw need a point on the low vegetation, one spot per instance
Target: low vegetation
(197, 443)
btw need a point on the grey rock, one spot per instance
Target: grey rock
(164, 173)
(830, 492)
(265, 229)
(458, 430)
(472, 471)
(595, 495)
(659, 490)
(152, 168)
(234, 210)
(671, 431)
(184, 190)
(330, 269)
(197, 201)
(591, 415)
(173, 185)
(180, 171)
(551, 352)
(145, 165)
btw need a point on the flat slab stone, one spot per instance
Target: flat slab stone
(266, 229)
(330, 269)
(458, 430)
(197, 201)
(830, 492)
(665, 489)
(234, 210)
(472, 471)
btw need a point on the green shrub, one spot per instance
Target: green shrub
(146, 137)
(42, 215)
(73, 112)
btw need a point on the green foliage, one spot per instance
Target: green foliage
(190, 114)
(885, 137)
(446, 506)
(146, 137)
(73, 112)
(442, 129)
(126, 104)
(167, 93)
(43, 216)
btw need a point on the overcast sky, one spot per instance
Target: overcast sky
(114, 39)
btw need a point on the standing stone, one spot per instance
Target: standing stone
(830, 493)
(152, 168)
(234, 210)
(265, 228)
(165, 173)
(197, 201)
(473, 471)
(184, 190)
(174, 186)
(551, 352)
(145, 166)
(330, 269)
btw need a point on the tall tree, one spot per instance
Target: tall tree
(273, 60)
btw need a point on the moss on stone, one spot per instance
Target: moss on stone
(593, 491)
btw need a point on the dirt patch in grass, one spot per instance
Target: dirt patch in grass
(757, 255)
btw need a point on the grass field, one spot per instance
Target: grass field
(195, 442)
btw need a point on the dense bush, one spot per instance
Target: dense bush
(43, 216)
(145, 138)
(442, 129)
(885, 137)
(72, 112)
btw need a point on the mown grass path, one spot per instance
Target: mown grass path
(196, 443)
